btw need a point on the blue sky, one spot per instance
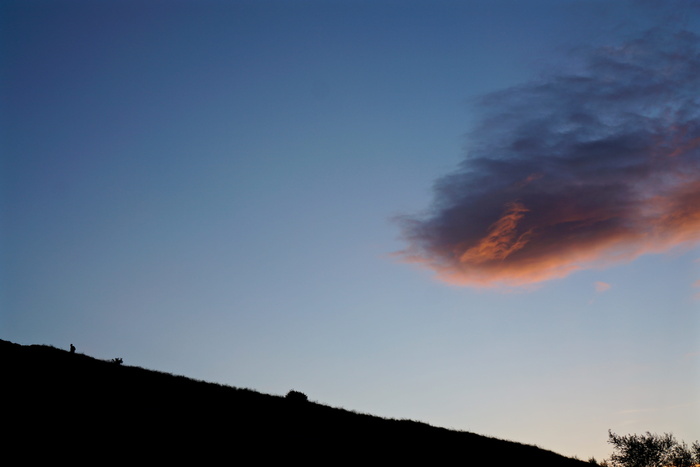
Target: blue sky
(215, 189)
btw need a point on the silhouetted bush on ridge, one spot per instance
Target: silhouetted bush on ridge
(296, 396)
(652, 450)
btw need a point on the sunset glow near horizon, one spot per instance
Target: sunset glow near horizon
(483, 215)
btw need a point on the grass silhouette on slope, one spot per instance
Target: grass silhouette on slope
(75, 407)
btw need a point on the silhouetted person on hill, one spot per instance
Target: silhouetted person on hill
(72, 348)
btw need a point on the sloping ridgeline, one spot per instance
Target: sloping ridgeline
(63, 406)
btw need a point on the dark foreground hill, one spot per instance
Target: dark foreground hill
(63, 406)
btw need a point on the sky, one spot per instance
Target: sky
(483, 215)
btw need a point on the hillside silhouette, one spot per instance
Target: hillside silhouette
(69, 406)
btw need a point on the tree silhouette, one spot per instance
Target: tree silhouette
(652, 450)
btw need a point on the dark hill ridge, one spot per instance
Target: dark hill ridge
(85, 410)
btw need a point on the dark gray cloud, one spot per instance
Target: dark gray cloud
(576, 170)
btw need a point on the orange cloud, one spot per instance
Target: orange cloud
(513, 255)
(502, 239)
(573, 172)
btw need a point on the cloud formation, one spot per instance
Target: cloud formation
(576, 170)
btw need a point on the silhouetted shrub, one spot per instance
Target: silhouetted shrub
(296, 396)
(117, 360)
(652, 450)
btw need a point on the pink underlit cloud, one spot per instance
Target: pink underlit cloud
(573, 172)
(696, 284)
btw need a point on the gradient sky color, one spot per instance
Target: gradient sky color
(220, 189)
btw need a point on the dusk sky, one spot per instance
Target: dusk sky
(483, 215)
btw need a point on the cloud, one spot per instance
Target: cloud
(601, 287)
(696, 284)
(576, 170)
